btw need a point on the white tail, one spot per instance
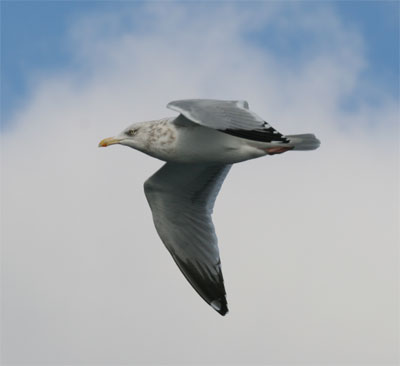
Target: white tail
(306, 141)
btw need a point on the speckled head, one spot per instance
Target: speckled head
(153, 137)
(130, 136)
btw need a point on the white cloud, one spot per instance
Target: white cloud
(308, 240)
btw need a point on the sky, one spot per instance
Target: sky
(308, 240)
(31, 46)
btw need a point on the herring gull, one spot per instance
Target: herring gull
(199, 147)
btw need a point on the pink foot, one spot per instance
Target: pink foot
(277, 150)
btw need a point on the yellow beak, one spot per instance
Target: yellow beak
(109, 141)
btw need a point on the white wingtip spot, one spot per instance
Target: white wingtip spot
(216, 304)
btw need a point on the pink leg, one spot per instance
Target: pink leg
(277, 150)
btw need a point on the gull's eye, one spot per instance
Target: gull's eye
(131, 132)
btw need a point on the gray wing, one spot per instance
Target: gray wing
(232, 117)
(181, 198)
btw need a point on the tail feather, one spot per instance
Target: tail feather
(306, 141)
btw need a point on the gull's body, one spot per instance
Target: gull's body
(182, 141)
(199, 146)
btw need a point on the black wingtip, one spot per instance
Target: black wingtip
(220, 305)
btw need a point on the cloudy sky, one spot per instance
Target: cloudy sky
(308, 240)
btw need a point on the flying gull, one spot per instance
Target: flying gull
(199, 147)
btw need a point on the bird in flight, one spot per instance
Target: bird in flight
(199, 147)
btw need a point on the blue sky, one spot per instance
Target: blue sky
(34, 40)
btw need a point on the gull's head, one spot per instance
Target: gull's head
(131, 136)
